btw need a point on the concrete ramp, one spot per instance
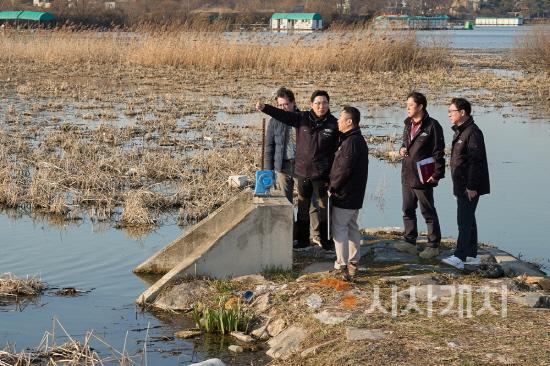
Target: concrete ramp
(244, 236)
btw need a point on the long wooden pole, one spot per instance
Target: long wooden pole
(263, 143)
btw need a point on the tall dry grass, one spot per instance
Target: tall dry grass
(533, 49)
(354, 51)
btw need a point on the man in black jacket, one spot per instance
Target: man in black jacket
(470, 173)
(316, 142)
(422, 139)
(348, 181)
(280, 150)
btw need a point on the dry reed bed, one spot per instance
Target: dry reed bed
(349, 51)
(533, 50)
(13, 287)
(110, 174)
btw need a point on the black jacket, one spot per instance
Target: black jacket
(316, 141)
(277, 135)
(349, 173)
(428, 141)
(469, 168)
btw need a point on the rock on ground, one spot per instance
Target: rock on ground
(242, 337)
(182, 296)
(275, 327)
(532, 299)
(286, 343)
(359, 334)
(262, 303)
(210, 362)
(512, 266)
(189, 333)
(438, 292)
(314, 301)
(235, 348)
(332, 317)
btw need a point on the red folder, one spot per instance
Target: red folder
(426, 169)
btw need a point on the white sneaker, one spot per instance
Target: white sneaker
(473, 260)
(454, 262)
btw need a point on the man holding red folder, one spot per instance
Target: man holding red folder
(423, 152)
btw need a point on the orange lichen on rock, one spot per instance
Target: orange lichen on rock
(338, 285)
(349, 301)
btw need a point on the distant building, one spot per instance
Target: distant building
(110, 5)
(496, 21)
(411, 22)
(26, 17)
(42, 3)
(296, 21)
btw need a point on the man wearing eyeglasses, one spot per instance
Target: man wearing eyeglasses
(280, 145)
(470, 174)
(316, 142)
(422, 139)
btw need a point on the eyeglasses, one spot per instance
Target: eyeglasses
(454, 110)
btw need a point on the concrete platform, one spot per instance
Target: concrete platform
(244, 236)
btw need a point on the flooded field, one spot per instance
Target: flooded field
(129, 156)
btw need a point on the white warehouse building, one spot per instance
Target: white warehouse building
(494, 21)
(296, 21)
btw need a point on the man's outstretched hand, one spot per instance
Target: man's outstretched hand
(260, 105)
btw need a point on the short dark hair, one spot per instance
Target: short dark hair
(354, 114)
(462, 105)
(418, 98)
(285, 93)
(319, 93)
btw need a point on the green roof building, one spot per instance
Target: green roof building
(296, 21)
(17, 16)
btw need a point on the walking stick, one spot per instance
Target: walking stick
(263, 143)
(329, 233)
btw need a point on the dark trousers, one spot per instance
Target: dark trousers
(284, 180)
(466, 244)
(412, 198)
(307, 188)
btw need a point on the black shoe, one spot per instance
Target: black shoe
(328, 245)
(300, 246)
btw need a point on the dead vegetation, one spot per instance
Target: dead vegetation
(105, 174)
(354, 51)
(533, 50)
(12, 287)
(71, 352)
